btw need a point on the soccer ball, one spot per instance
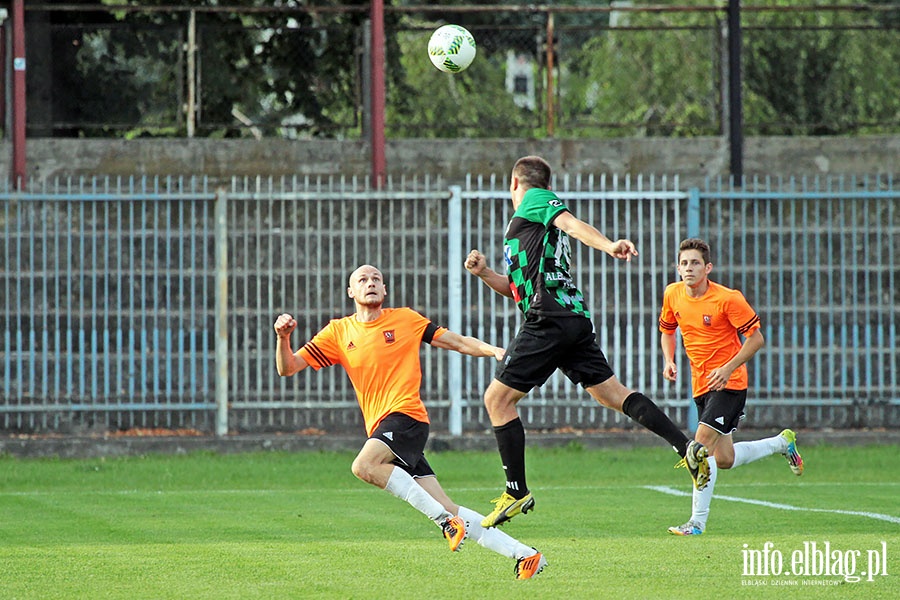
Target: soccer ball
(451, 48)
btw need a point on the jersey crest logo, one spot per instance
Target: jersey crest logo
(351, 346)
(389, 336)
(389, 435)
(707, 320)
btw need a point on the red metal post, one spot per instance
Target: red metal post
(378, 95)
(18, 84)
(551, 104)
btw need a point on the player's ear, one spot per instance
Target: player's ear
(709, 268)
(349, 292)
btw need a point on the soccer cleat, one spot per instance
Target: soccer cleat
(454, 531)
(528, 567)
(506, 507)
(795, 462)
(695, 461)
(689, 528)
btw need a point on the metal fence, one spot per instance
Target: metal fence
(139, 303)
(541, 71)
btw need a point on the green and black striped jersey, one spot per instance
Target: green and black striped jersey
(538, 258)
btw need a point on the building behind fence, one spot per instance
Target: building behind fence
(149, 302)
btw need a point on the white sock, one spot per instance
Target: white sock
(747, 452)
(491, 537)
(701, 498)
(402, 485)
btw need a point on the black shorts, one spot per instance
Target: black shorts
(545, 344)
(722, 410)
(406, 438)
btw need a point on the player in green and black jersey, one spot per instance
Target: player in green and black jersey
(557, 332)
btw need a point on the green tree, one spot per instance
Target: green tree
(424, 102)
(649, 73)
(129, 67)
(820, 73)
(615, 74)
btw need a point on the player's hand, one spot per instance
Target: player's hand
(475, 262)
(718, 378)
(285, 324)
(623, 250)
(499, 353)
(670, 371)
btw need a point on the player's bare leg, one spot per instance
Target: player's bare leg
(374, 465)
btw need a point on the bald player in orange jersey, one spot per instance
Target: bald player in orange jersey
(711, 316)
(378, 347)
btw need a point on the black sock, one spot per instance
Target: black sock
(640, 408)
(511, 444)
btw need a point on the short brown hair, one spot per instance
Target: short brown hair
(533, 172)
(695, 244)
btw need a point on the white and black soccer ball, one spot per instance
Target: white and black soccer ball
(451, 48)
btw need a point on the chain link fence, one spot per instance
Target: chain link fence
(606, 71)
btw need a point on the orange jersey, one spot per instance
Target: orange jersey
(709, 326)
(381, 358)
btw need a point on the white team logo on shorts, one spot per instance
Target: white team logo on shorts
(389, 435)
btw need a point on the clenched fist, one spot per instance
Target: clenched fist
(285, 324)
(475, 262)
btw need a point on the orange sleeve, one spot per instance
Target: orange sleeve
(667, 322)
(741, 314)
(323, 349)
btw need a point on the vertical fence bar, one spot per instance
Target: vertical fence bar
(693, 230)
(454, 305)
(221, 237)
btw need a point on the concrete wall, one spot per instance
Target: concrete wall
(692, 159)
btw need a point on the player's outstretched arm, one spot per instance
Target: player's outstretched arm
(477, 265)
(589, 235)
(467, 345)
(286, 360)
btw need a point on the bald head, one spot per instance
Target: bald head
(366, 286)
(367, 269)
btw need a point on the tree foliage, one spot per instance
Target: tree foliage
(267, 65)
(820, 73)
(285, 71)
(425, 102)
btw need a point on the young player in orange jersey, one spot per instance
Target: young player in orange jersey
(379, 349)
(710, 317)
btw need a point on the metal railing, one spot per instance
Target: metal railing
(143, 302)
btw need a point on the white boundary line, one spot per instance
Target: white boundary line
(354, 487)
(673, 492)
(656, 488)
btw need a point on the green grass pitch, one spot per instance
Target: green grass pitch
(274, 525)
